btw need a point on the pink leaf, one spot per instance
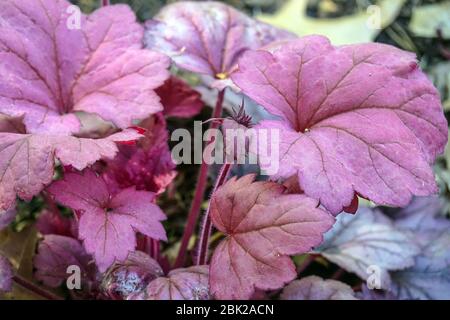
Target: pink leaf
(207, 37)
(180, 284)
(55, 254)
(360, 118)
(53, 66)
(108, 221)
(263, 227)
(27, 160)
(179, 99)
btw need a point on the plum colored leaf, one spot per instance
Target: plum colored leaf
(146, 165)
(54, 65)
(131, 277)
(368, 238)
(429, 277)
(263, 227)
(348, 115)
(109, 221)
(27, 160)
(316, 288)
(7, 216)
(179, 99)
(207, 37)
(51, 222)
(180, 284)
(55, 254)
(6, 275)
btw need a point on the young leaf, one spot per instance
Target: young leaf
(6, 275)
(179, 99)
(368, 238)
(55, 64)
(108, 221)
(207, 37)
(27, 160)
(316, 288)
(348, 115)
(263, 227)
(180, 284)
(55, 254)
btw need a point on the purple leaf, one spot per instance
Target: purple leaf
(348, 116)
(263, 227)
(368, 238)
(179, 99)
(6, 275)
(108, 221)
(207, 37)
(180, 284)
(129, 278)
(51, 222)
(55, 254)
(53, 67)
(7, 216)
(316, 288)
(27, 160)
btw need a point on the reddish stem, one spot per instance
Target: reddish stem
(105, 3)
(199, 191)
(339, 273)
(35, 289)
(202, 254)
(308, 261)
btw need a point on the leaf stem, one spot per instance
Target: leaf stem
(35, 289)
(339, 273)
(199, 190)
(202, 253)
(308, 261)
(105, 3)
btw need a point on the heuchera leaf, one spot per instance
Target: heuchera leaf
(429, 277)
(108, 222)
(6, 275)
(131, 277)
(263, 227)
(180, 284)
(7, 216)
(27, 160)
(207, 36)
(51, 222)
(348, 116)
(53, 65)
(146, 165)
(367, 239)
(316, 288)
(55, 254)
(179, 99)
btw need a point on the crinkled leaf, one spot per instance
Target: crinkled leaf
(349, 115)
(180, 284)
(108, 221)
(55, 254)
(147, 165)
(369, 239)
(179, 99)
(52, 67)
(316, 288)
(27, 160)
(207, 37)
(6, 275)
(263, 227)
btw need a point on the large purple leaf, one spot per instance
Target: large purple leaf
(366, 239)
(6, 275)
(207, 36)
(316, 288)
(109, 221)
(180, 284)
(52, 67)
(55, 254)
(263, 227)
(348, 116)
(27, 160)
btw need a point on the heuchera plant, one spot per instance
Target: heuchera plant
(84, 102)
